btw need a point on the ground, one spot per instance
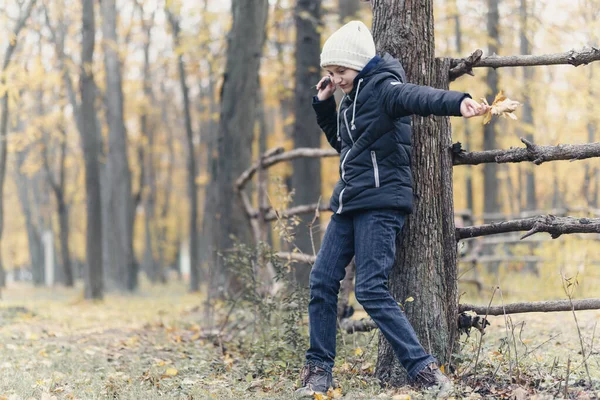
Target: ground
(55, 345)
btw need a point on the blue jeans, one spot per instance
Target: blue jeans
(369, 236)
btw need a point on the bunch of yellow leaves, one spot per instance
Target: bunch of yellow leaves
(502, 106)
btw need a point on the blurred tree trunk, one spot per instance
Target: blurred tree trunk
(150, 264)
(306, 178)
(57, 184)
(491, 203)
(236, 127)
(490, 170)
(90, 139)
(459, 49)
(119, 201)
(191, 160)
(348, 10)
(531, 202)
(26, 188)
(425, 267)
(24, 13)
(530, 195)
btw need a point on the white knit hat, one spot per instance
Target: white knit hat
(351, 46)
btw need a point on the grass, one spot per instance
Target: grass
(154, 344)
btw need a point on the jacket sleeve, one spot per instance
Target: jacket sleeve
(402, 99)
(327, 120)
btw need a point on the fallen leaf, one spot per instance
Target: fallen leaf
(401, 397)
(171, 372)
(335, 393)
(358, 351)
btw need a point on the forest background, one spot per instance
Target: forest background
(151, 127)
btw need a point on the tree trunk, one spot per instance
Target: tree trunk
(119, 211)
(237, 117)
(491, 203)
(29, 208)
(459, 50)
(24, 16)
(425, 267)
(91, 150)
(348, 10)
(149, 262)
(191, 163)
(306, 178)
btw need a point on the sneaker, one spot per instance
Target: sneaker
(431, 377)
(314, 380)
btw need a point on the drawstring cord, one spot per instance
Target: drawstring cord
(354, 106)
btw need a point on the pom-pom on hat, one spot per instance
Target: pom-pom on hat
(351, 46)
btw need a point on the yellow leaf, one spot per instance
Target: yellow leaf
(358, 351)
(320, 396)
(334, 393)
(401, 397)
(409, 300)
(171, 372)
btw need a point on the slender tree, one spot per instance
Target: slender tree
(237, 116)
(25, 12)
(88, 129)
(306, 178)
(118, 201)
(191, 158)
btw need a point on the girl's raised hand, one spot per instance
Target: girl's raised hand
(470, 108)
(326, 87)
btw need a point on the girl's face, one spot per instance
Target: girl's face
(342, 77)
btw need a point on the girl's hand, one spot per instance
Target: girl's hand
(470, 108)
(325, 92)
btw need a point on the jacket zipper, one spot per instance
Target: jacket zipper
(375, 168)
(339, 210)
(341, 206)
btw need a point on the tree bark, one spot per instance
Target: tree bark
(191, 162)
(237, 116)
(91, 150)
(425, 265)
(306, 176)
(119, 211)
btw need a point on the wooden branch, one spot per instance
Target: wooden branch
(290, 212)
(354, 325)
(298, 257)
(535, 153)
(555, 226)
(278, 155)
(537, 306)
(461, 66)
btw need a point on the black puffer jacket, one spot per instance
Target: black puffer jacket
(372, 132)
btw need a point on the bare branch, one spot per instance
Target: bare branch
(277, 155)
(461, 66)
(536, 306)
(534, 153)
(555, 226)
(290, 212)
(353, 325)
(304, 258)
